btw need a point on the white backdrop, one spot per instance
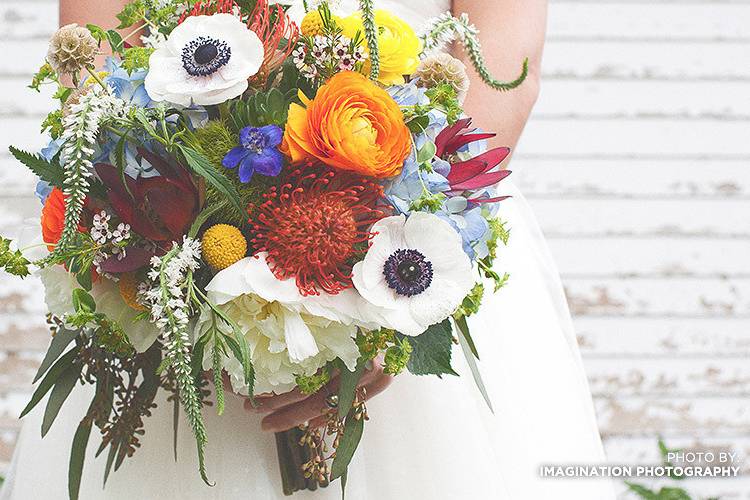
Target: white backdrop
(637, 162)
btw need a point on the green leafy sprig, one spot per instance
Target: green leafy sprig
(447, 28)
(371, 35)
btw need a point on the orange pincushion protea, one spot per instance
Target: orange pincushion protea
(352, 124)
(315, 225)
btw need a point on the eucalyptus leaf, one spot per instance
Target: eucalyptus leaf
(110, 461)
(475, 373)
(427, 152)
(50, 379)
(60, 392)
(62, 339)
(77, 457)
(348, 443)
(348, 385)
(463, 328)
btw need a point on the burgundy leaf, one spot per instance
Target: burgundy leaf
(461, 140)
(488, 200)
(135, 258)
(465, 170)
(481, 181)
(449, 133)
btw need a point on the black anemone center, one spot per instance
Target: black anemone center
(204, 56)
(206, 53)
(408, 272)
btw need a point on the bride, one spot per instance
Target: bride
(427, 438)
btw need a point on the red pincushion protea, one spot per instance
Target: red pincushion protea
(278, 33)
(315, 225)
(210, 7)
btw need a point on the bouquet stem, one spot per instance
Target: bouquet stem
(292, 455)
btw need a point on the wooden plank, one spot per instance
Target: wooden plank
(672, 60)
(644, 99)
(650, 257)
(24, 20)
(656, 21)
(22, 58)
(669, 377)
(715, 417)
(643, 218)
(15, 179)
(17, 100)
(19, 214)
(644, 450)
(639, 338)
(22, 296)
(617, 178)
(674, 297)
(22, 132)
(708, 138)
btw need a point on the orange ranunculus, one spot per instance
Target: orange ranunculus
(352, 124)
(53, 218)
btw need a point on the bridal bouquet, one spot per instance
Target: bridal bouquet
(236, 200)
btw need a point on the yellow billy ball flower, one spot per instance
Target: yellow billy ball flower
(223, 245)
(312, 23)
(399, 46)
(128, 286)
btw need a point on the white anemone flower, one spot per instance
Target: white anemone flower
(289, 334)
(415, 271)
(206, 60)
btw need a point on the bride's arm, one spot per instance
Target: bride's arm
(100, 12)
(510, 30)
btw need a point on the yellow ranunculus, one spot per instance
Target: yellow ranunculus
(398, 44)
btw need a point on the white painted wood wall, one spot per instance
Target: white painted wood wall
(637, 162)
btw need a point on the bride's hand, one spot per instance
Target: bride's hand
(288, 410)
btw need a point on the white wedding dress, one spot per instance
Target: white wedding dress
(426, 439)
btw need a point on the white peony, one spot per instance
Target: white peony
(206, 60)
(288, 334)
(415, 270)
(58, 291)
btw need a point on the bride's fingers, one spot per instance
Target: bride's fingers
(293, 415)
(271, 403)
(312, 408)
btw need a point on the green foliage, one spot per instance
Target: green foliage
(131, 14)
(201, 166)
(47, 171)
(665, 493)
(313, 383)
(262, 108)
(107, 333)
(371, 35)
(472, 302)
(498, 234)
(53, 124)
(431, 351)
(371, 343)
(428, 202)
(445, 98)
(136, 58)
(348, 442)
(397, 357)
(110, 36)
(13, 261)
(45, 74)
(447, 28)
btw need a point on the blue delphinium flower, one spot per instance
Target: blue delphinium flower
(258, 152)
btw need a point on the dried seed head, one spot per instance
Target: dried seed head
(443, 68)
(71, 49)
